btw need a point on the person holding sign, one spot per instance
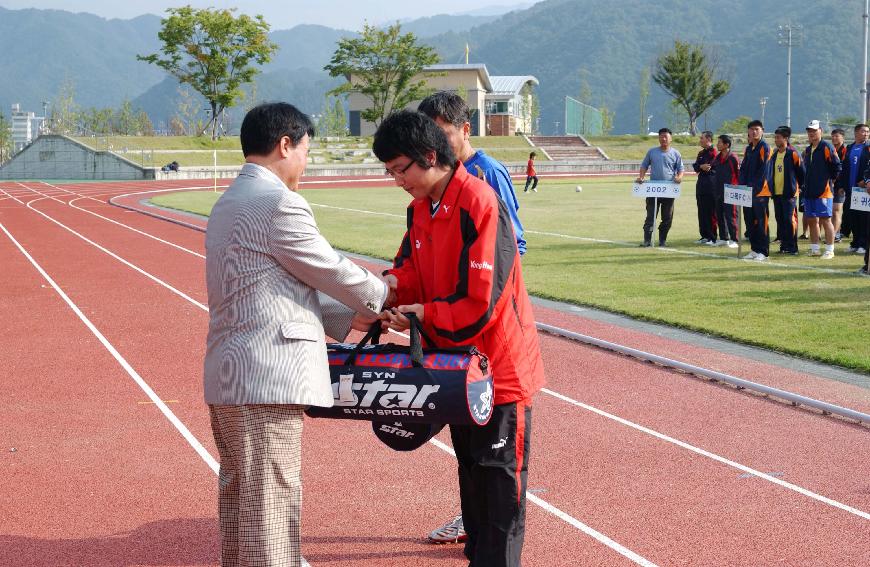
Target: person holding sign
(856, 162)
(726, 171)
(785, 174)
(664, 164)
(822, 168)
(752, 174)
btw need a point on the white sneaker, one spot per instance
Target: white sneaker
(828, 255)
(760, 258)
(731, 244)
(861, 251)
(814, 253)
(851, 249)
(862, 272)
(713, 243)
(535, 189)
(752, 255)
(701, 241)
(451, 532)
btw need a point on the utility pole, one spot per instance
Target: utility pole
(790, 35)
(864, 100)
(763, 103)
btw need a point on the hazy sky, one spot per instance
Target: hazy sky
(344, 14)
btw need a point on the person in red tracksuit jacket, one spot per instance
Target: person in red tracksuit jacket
(458, 270)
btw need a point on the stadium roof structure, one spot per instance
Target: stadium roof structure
(509, 85)
(479, 67)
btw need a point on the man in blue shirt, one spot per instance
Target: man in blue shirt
(856, 161)
(664, 164)
(452, 115)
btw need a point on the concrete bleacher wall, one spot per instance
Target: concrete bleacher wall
(52, 156)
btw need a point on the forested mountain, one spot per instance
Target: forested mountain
(564, 43)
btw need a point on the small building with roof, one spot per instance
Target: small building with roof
(496, 103)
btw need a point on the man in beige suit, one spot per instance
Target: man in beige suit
(275, 288)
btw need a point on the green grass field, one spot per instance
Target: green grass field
(799, 305)
(633, 147)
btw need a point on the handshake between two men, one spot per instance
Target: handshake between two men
(392, 316)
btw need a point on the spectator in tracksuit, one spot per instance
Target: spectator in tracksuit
(856, 161)
(822, 167)
(865, 183)
(752, 174)
(458, 270)
(785, 175)
(705, 188)
(727, 172)
(838, 137)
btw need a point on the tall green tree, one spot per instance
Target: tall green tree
(64, 116)
(5, 138)
(214, 52)
(381, 65)
(689, 75)
(332, 118)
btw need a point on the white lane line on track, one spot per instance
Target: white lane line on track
(136, 230)
(715, 457)
(115, 256)
(591, 532)
(571, 401)
(185, 432)
(623, 243)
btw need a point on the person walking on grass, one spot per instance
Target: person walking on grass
(752, 174)
(726, 171)
(785, 174)
(857, 160)
(664, 164)
(531, 174)
(822, 168)
(705, 188)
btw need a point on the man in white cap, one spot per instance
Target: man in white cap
(822, 168)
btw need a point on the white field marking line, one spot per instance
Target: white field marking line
(715, 457)
(136, 230)
(185, 432)
(622, 550)
(697, 450)
(115, 256)
(621, 243)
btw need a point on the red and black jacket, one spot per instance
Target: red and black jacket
(462, 264)
(706, 183)
(727, 171)
(792, 173)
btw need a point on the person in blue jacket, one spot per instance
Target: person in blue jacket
(822, 168)
(453, 116)
(785, 174)
(752, 174)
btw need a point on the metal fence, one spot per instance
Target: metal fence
(582, 119)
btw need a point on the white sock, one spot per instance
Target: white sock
(814, 247)
(829, 247)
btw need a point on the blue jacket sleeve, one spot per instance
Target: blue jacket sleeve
(499, 180)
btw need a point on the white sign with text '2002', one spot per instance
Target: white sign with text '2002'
(739, 195)
(860, 199)
(661, 189)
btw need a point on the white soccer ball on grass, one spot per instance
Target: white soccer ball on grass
(578, 189)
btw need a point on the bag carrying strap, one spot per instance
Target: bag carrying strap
(374, 335)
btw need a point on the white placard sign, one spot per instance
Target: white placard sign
(860, 199)
(660, 189)
(739, 195)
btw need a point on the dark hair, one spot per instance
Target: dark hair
(707, 134)
(412, 134)
(447, 106)
(665, 130)
(725, 139)
(531, 155)
(839, 131)
(265, 125)
(859, 126)
(783, 131)
(755, 123)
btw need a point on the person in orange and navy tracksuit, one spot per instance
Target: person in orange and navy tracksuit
(458, 270)
(785, 175)
(752, 173)
(822, 167)
(727, 172)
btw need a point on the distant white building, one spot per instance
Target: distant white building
(498, 105)
(22, 127)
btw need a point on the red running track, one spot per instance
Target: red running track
(672, 469)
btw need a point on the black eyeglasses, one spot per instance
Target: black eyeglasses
(400, 172)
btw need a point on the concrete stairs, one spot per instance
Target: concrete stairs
(568, 148)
